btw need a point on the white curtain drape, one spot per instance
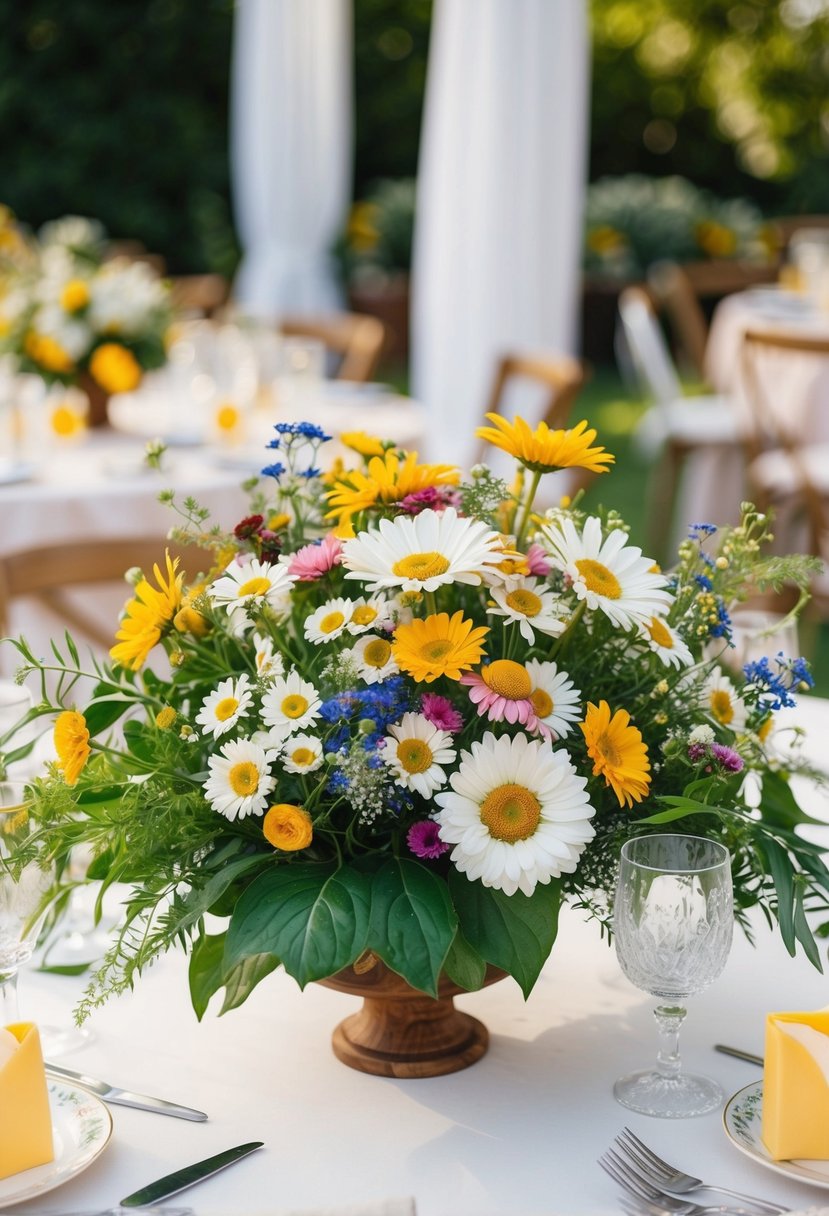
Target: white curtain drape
(291, 150)
(499, 206)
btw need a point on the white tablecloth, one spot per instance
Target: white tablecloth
(516, 1134)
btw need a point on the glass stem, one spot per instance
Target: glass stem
(8, 998)
(669, 1019)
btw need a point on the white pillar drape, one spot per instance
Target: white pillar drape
(499, 206)
(291, 150)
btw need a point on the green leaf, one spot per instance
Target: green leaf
(205, 971)
(201, 899)
(65, 968)
(464, 965)
(102, 713)
(513, 932)
(778, 805)
(244, 977)
(312, 917)
(412, 922)
(680, 807)
(804, 933)
(780, 868)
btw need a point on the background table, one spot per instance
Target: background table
(515, 1135)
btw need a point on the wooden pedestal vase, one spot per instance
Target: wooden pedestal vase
(98, 399)
(401, 1032)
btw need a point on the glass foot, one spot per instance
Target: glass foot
(679, 1097)
(61, 1040)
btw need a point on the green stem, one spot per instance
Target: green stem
(563, 640)
(525, 515)
(431, 602)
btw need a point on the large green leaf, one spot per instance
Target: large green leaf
(778, 805)
(780, 868)
(412, 922)
(200, 900)
(513, 932)
(464, 965)
(242, 980)
(804, 933)
(312, 917)
(207, 974)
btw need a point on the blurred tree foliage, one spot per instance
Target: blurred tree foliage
(729, 93)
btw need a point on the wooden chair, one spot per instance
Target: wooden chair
(46, 572)
(358, 340)
(202, 294)
(785, 226)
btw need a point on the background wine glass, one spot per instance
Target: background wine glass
(673, 923)
(21, 896)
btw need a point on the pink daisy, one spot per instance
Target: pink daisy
(501, 690)
(437, 498)
(312, 561)
(424, 840)
(538, 561)
(440, 712)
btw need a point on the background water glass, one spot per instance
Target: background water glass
(21, 894)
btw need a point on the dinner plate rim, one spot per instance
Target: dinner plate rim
(80, 1158)
(790, 1169)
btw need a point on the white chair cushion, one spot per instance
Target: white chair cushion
(779, 475)
(706, 421)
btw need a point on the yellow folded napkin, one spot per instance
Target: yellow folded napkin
(27, 1138)
(796, 1085)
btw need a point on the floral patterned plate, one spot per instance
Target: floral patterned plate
(742, 1118)
(81, 1129)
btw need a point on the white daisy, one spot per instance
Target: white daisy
(555, 699)
(422, 553)
(223, 708)
(269, 662)
(517, 813)
(374, 659)
(302, 754)
(240, 781)
(415, 752)
(253, 583)
(289, 705)
(524, 601)
(368, 614)
(665, 642)
(608, 574)
(721, 701)
(328, 621)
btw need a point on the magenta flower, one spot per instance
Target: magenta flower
(435, 498)
(538, 561)
(441, 712)
(424, 839)
(312, 561)
(727, 757)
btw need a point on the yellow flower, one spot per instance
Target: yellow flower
(147, 615)
(74, 296)
(228, 416)
(362, 444)
(387, 479)
(188, 620)
(165, 717)
(617, 751)
(115, 368)
(440, 645)
(715, 239)
(66, 421)
(288, 827)
(543, 450)
(47, 352)
(363, 234)
(71, 744)
(604, 240)
(278, 521)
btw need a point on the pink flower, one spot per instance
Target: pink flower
(500, 698)
(437, 498)
(424, 839)
(312, 561)
(538, 561)
(440, 712)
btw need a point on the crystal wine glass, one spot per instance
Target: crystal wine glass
(673, 922)
(21, 896)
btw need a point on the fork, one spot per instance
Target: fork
(658, 1172)
(643, 1207)
(668, 1205)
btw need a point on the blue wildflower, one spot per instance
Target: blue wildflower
(774, 688)
(337, 782)
(708, 561)
(309, 430)
(273, 470)
(311, 473)
(722, 626)
(701, 531)
(703, 581)
(274, 443)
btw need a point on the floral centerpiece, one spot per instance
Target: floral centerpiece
(399, 715)
(71, 315)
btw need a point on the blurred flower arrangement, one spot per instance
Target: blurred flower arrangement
(377, 242)
(400, 712)
(633, 221)
(69, 314)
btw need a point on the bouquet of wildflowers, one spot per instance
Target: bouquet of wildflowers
(398, 711)
(66, 312)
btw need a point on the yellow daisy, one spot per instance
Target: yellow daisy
(440, 645)
(362, 444)
(543, 450)
(617, 751)
(147, 615)
(71, 744)
(387, 479)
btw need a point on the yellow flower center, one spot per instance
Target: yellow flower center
(227, 417)
(421, 566)
(507, 679)
(165, 717)
(74, 296)
(65, 421)
(244, 779)
(721, 706)
(511, 812)
(254, 586)
(414, 755)
(438, 649)
(527, 603)
(598, 579)
(303, 756)
(377, 653)
(660, 634)
(331, 621)
(608, 750)
(363, 614)
(294, 706)
(542, 703)
(226, 708)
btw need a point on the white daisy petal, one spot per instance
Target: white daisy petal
(291, 704)
(240, 780)
(373, 659)
(524, 600)
(329, 621)
(415, 751)
(302, 754)
(252, 583)
(721, 701)
(666, 643)
(222, 709)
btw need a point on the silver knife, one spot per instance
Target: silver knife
(740, 1055)
(171, 1184)
(126, 1097)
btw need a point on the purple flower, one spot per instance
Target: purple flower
(440, 712)
(424, 840)
(728, 758)
(697, 752)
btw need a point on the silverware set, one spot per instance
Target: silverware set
(654, 1187)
